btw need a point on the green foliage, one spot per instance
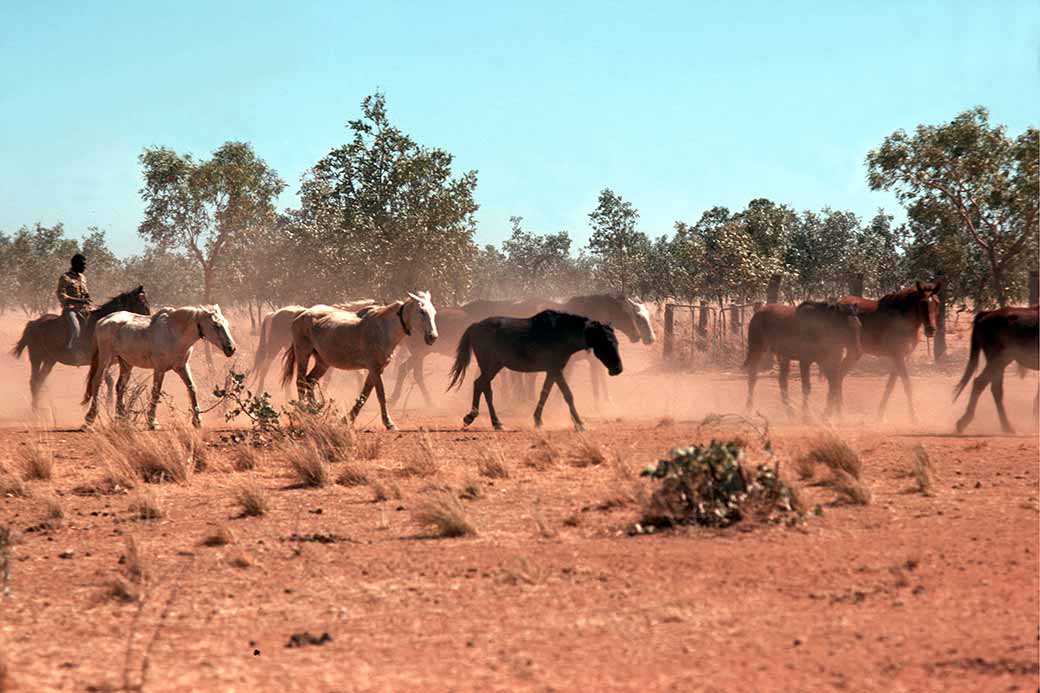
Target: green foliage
(619, 250)
(708, 485)
(257, 407)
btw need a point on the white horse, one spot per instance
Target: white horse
(161, 342)
(354, 341)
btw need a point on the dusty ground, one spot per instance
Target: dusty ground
(908, 593)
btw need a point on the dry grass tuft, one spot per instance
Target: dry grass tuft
(352, 475)
(384, 491)
(119, 590)
(145, 506)
(923, 471)
(12, 484)
(308, 463)
(834, 453)
(132, 457)
(443, 513)
(491, 463)
(245, 458)
(250, 495)
(544, 453)
(332, 440)
(423, 461)
(368, 447)
(545, 531)
(133, 561)
(241, 561)
(36, 460)
(849, 489)
(587, 453)
(7, 540)
(804, 468)
(218, 536)
(54, 511)
(471, 491)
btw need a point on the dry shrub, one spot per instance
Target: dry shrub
(545, 531)
(36, 460)
(250, 495)
(352, 475)
(368, 447)
(849, 489)
(332, 440)
(244, 458)
(383, 491)
(119, 590)
(145, 506)
(443, 513)
(55, 511)
(133, 562)
(587, 453)
(6, 542)
(218, 536)
(834, 453)
(423, 461)
(308, 463)
(544, 453)
(132, 457)
(241, 561)
(471, 491)
(624, 487)
(804, 467)
(491, 463)
(923, 471)
(12, 484)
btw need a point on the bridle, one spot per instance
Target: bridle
(400, 316)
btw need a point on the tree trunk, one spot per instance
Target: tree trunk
(998, 279)
(773, 290)
(1034, 287)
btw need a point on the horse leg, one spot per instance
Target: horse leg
(185, 373)
(420, 378)
(785, 374)
(402, 372)
(832, 373)
(124, 377)
(754, 360)
(489, 397)
(546, 388)
(569, 398)
(104, 359)
(109, 389)
(478, 389)
(40, 374)
(805, 371)
(904, 375)
(889, 385)
(157, 381)
(303, 360)
(35, 381)
(366, 390)
(381, 394)
(263, 364)
(996, 387)
(977, 386)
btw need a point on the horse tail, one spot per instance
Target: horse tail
(22, 343)
(261, 347)
(462, 355)
(288, 364)
(756, 345)
(94, 359)
(973, 357)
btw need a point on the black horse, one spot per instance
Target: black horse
(542, 343)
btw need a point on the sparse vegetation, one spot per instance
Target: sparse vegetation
(218, 536)
(849, 489)
(12, 484)
(6, 542)
(132, 457)
(834, 453)
(351, 475)
(250, 496)
(923, 470)
(145, 506)
(444, 514)
(587, 453)
(245, 458)
(54, 511)
(308, 463)
(36, 460)
(471, 491)
(384, 490)
(423, 461)
(544, 453)
(368, 447)
(708, 485)
(133, 561)
(491, 463)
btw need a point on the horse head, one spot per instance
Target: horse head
(603, 342)
(927, 305)
(419, 307)
(213, 327)
(640, 317)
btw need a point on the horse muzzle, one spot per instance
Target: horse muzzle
(615, 371)
(929, 331)
(430, 339)
(229, 350)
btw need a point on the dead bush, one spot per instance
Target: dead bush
(145, 506)
(332, 440)
(132, 560)
(544, 453)
(471, 491)
(443, 513)
(834, 453)
(12, 485)
(36, 460)
(6, 543)
(423, 462)
(132, 457)
(587, 453)
(218, 536)
(849, 489)
(351, 475)
(368, 447)
(245, 458)
(251, 497)
(308, 463)
(384, 490)
(923, 471)
(54, 511)
(491, 463)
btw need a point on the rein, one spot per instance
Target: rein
(400, 316)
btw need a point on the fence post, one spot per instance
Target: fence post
(669, 329)
(702, 327)
(773, 290)
(856, 285)
(1034, 287)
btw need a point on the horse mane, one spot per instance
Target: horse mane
(115, 303)
(379, 311)
(900, 301)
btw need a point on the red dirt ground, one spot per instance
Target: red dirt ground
(911, 592)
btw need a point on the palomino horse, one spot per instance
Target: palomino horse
(542, 343)
(813, 332)
(46, 338)
(161, 342)
(626, 315)
(276, 334)
(352, 341)
(891, 328)
(1005, 335)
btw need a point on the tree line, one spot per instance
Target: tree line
(383, 214)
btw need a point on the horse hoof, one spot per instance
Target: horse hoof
(197, 423)
(499, 427)
(154, 426)
(468, 419)
(579, 427)
(390, 426)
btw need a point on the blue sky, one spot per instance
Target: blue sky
(676, 106)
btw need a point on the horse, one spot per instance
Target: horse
(46, 338)
(276, 334)
(542, 343)
(1004, 335)
(817, 332)
(891, 329)
(626, 315)
(161, 342)
(451, 323)
(352, 341)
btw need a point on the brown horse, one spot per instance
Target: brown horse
(825, 333)
(892, 327)
(46, 338)
(1005, 335)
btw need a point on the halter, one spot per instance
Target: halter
(400, 316)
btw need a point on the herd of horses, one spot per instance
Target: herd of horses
(526, 337)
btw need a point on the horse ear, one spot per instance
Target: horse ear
(139, 289)
(917, 285)
(413, 296)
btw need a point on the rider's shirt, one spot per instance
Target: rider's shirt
(72, 285)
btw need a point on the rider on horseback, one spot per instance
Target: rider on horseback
(74, 299)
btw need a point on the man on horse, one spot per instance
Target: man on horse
(74, 299)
